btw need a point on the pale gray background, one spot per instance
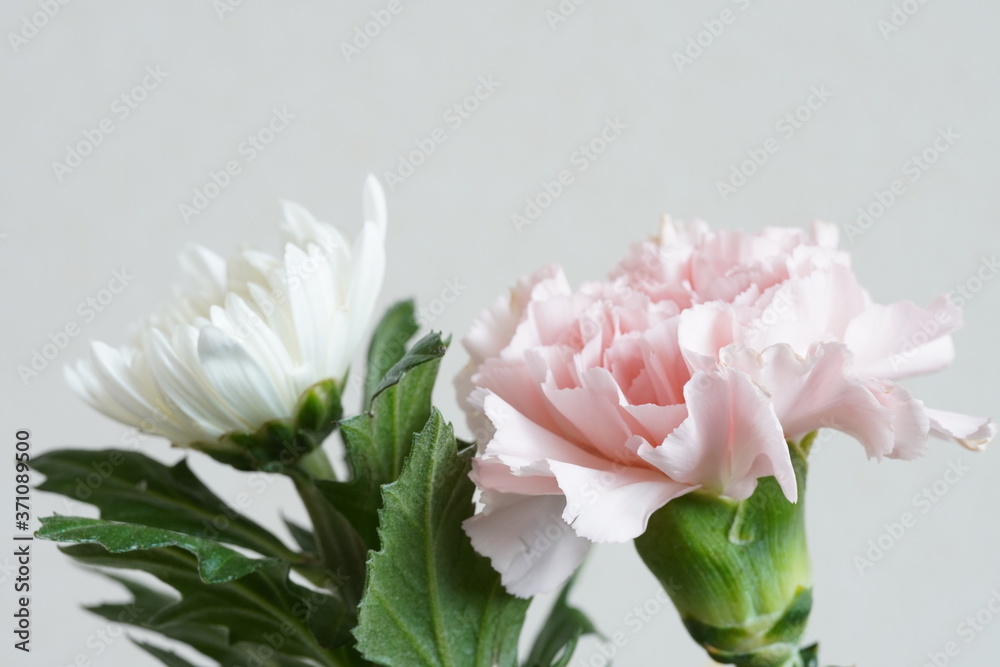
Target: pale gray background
(451, 220)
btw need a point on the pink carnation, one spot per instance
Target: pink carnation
(687, 370)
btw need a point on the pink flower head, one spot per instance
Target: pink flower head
(689, 369)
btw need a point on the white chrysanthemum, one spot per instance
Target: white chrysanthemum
(246, 337)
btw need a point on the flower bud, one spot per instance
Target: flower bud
(737, 571)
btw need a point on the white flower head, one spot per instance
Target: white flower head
(245, 338)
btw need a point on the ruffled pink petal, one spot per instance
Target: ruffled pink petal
(971, 432)
(591, 414)
(910, 424)
(703, 330)
(666, 370)
(491, 473)
(804, 311)
(818, 392)
(654, 422)
(527, 541)
(731, 438)
(513, 381)
(554, 321)
(524, 446)
(613, 505)
(625, 363)
(901, 339)
(494, 328)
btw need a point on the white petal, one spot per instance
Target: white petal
(527, 542)
(305, 296)
(367, 272)
(187, 389)
(374, 204)
(238, 378)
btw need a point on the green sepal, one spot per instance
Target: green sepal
(737, 571)
(282, 443)
(777, 647)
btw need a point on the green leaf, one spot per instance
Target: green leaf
(430, 599)
(378, 442)
(388, 345)
(429, 348)
(168, 658)
(216, 563)
(240, 655)
(302, 536)
(144, 611)
(557, 639)
(133, 488)
(810, 656)
(261, 608)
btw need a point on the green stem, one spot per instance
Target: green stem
(341, 550)
(317, 464)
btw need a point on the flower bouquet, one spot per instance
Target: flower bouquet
(673, 404)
